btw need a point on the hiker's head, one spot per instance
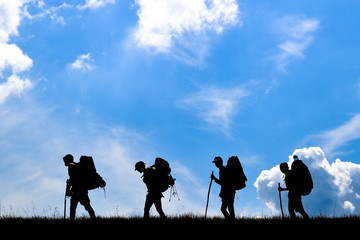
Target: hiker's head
(68, 159)
(295, 157)
(284, 167)
(218, 161)
(140, 166)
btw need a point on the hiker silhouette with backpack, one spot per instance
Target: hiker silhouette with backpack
(231, 178)
(157, 179)
(299, 183)
(82, 178)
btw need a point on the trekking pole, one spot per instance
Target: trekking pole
(65, 207)
(282, 212)
(208, 196)
(65, 203)
(66, 192)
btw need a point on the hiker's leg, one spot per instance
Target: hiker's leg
(301, 210)
(231, 207)
(304, 214)
(148, 203)
(90, 210)
(158, 207)
(73, 204)
(223, 208)
(85, 201)
(291, 207)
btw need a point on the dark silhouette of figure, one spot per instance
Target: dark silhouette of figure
(76, 188)
(291, 182)
(154, 193)
(227, 193)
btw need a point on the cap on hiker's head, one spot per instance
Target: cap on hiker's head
(139, 165)
(217, 159)
(295, 157)
(68, 158)
(284, 167)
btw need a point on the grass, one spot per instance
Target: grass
(31, 221)
(180, 227)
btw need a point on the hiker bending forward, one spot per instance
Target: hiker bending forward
(76, 188)
(154, 194)
(291, 182)
(227, 193)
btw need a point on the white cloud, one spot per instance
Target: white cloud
(349, 206)
(297, 33)
(216, 106)
(336, 185)
(82, 62)
(14, 86)
(10, 16)
(95, 3)
(181, 24)
(39, 9)
(339, 136)
(11, 56)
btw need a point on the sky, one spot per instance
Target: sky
(185, 80)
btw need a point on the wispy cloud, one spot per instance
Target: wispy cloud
(115, 150)
(38, 9)
(95, 3)
(335, 138)
(83, 62)
(297, 34)
(182, 24)
(215, 106)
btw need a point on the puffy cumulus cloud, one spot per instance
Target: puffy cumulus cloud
(10, 15)
(12, 57)
(181, 24)
(14, 86)
(336, 185)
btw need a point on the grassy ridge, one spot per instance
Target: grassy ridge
(182, 227)
(185, 226)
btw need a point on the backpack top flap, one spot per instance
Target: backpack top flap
(163, 178)
(87, 164)
(90, 177)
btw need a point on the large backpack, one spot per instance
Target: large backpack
(162, 173)
(90, 178)
(236, 177)
(303, 183)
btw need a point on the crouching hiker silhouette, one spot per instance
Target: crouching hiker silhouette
(299, 183)
(231, 178)
(154, 188)
(82, 177)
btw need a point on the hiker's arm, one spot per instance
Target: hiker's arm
(282, 189)
(215, 179)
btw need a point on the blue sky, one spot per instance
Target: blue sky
(185, 80)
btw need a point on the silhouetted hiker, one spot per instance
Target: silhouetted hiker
(154, 193)
(293, 184)
(82, 177)
(227, 193)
